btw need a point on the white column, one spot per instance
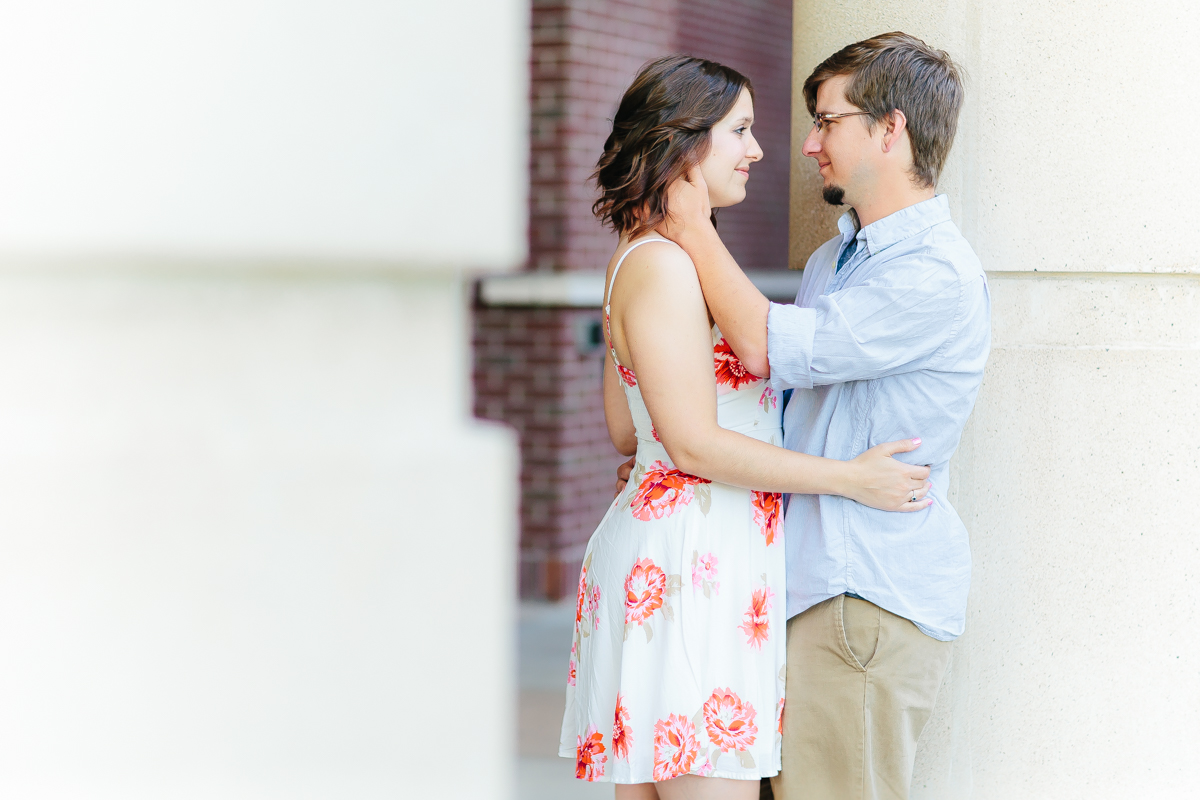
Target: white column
(1074, 176)
(251, 543)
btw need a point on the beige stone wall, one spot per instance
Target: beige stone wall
(1074, 176)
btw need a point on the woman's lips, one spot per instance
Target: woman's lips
(745, 172)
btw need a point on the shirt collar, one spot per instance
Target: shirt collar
(901, 225)
(848, 225)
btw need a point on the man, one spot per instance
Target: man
(887, 339)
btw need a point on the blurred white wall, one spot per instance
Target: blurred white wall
(251, 543)
(1074, 176)
(263, 128)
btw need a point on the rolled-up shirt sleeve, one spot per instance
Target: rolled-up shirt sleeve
(790, 333)
(885, 326)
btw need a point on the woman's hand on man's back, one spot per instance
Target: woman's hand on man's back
(880, 481)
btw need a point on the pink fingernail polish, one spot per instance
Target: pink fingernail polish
(917, 440)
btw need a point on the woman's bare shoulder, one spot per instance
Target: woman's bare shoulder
(654, 265)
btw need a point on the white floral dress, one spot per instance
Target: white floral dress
(677, 664)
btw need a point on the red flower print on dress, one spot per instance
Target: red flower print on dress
(593, 606)
(644, 588)
(571, 666)
(675, 747)
(779, 713)
(767, 399)
(587, 604)
(654, 433)
(662, 490)
(768, 508)
(622, 738)
(589, 755)
(729, 721)
(730, 371)
(757, 625)
(582, 594)
(627, 375)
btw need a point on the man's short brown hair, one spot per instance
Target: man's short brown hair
(897, 71)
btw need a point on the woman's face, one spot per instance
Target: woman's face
(727, 167)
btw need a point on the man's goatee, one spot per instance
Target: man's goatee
(834, 195)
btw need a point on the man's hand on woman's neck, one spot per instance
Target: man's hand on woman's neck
(736, 304)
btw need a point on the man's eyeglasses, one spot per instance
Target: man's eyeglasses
(819, 120)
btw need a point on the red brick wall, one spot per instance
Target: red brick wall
(585, 53)
(529, 371)
(755, 38)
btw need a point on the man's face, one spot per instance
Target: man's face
(843, 148)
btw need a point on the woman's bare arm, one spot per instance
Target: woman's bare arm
(739, 308)
(660, 327)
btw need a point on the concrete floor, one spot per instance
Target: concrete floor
(544, 647)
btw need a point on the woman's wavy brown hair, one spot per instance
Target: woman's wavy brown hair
(663, 128)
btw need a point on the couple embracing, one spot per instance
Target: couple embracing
(722, 634)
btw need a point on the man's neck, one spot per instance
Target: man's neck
(884, 203)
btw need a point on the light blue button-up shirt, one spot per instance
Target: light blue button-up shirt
(890, 346)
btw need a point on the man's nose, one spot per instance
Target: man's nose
(812, 144)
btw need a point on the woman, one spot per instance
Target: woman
(676, 682)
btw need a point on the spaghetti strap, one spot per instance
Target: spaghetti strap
(616, 269)
(626, 375)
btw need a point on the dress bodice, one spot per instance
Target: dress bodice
(745, 403)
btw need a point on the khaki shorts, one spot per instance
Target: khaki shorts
(861, 684)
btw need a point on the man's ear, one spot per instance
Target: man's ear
(895, 124)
